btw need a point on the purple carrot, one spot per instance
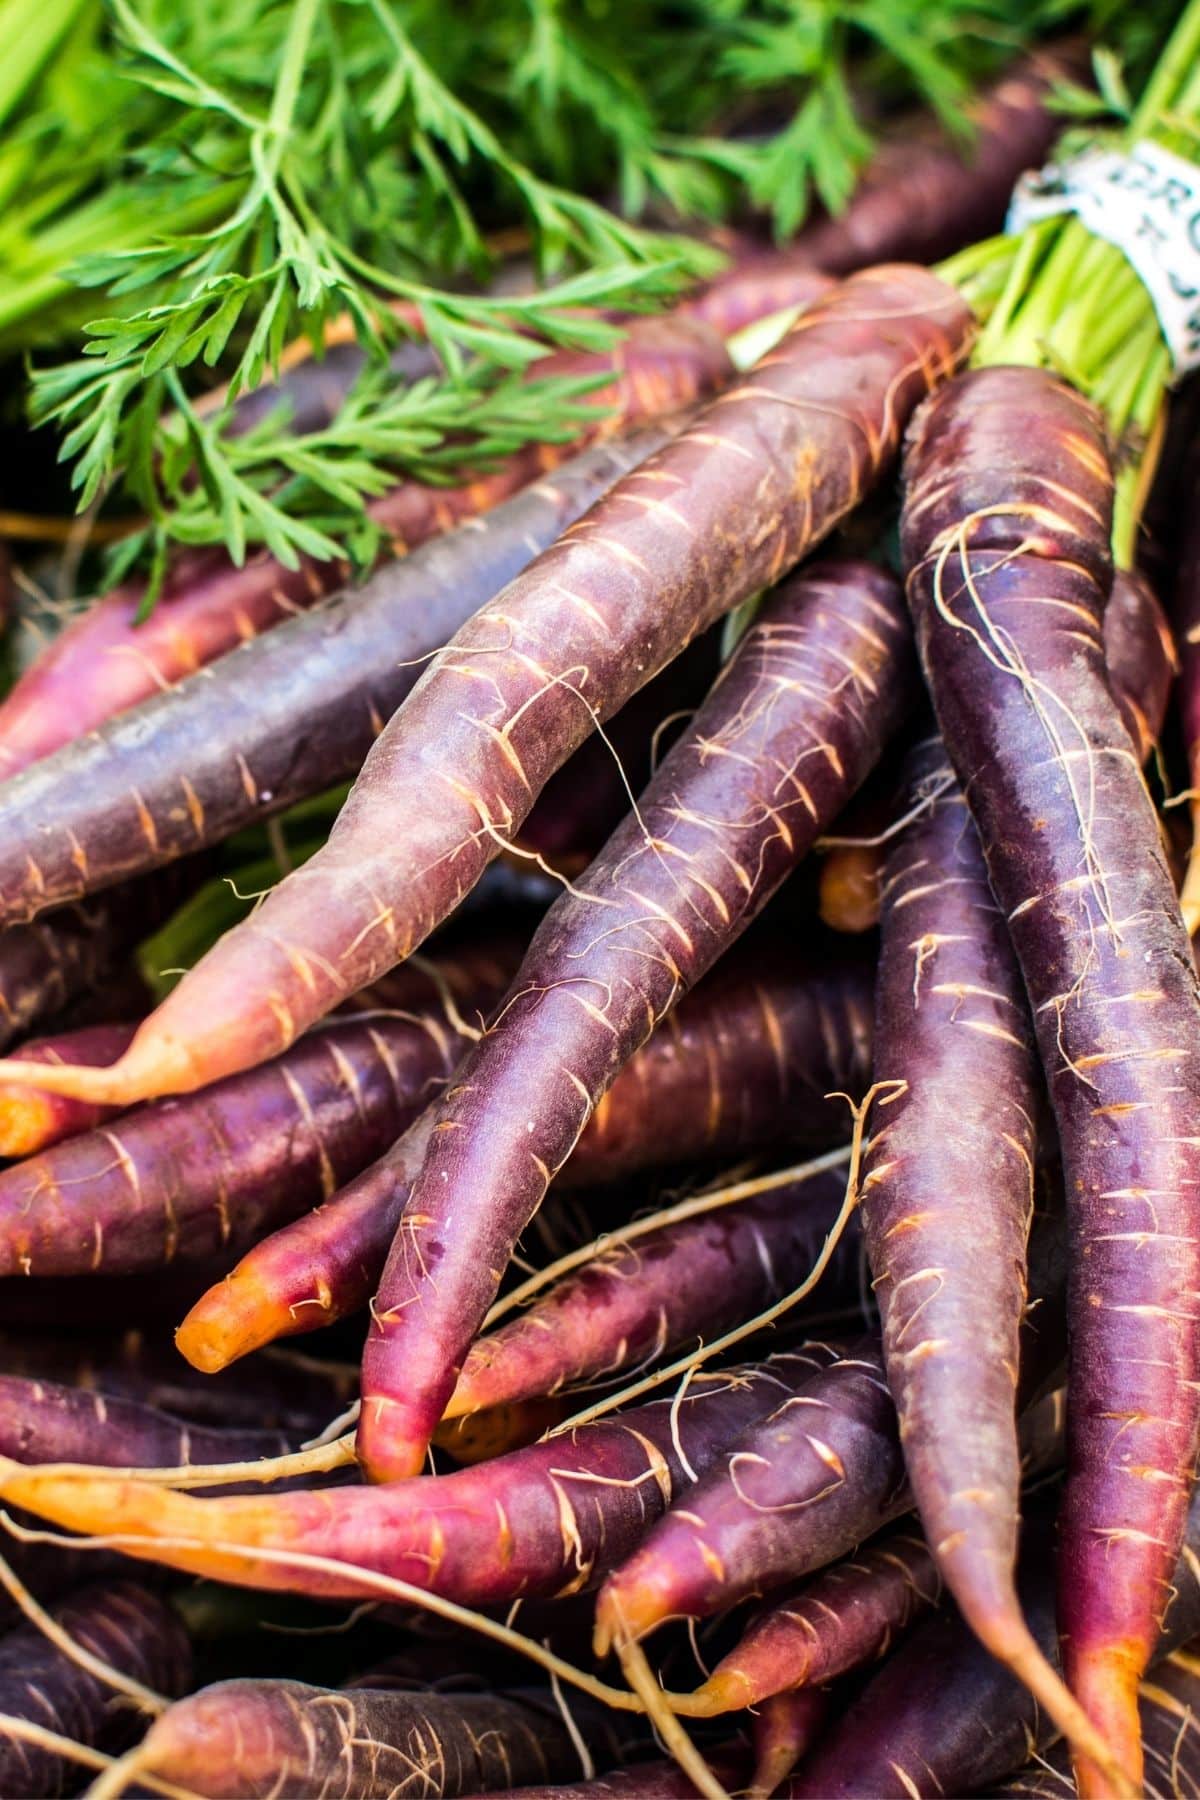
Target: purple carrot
(31, 1119)
(549, 1519)
(1006, 534)
(947, 1201)
(794, 724)
(785, 1728)
(1141, 659)
(256, 1739)
(109, 659)
(210, 1173)
(48, 964)
(850, 1614)
(278, 1391)
(277, 720)
(1169, 1709)
(943, 1717)
(44, 1422)
(682, 1284)
(761, 474)
(119, 1623)
(748, 1057)
(807, 1484)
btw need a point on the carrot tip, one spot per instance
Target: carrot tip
(726, 1690)
(1105, 1679)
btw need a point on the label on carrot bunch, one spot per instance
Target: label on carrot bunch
(1146, 201)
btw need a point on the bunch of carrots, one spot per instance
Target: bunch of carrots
(719, 1094)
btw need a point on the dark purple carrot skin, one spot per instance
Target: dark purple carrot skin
(283, 717)
(707, 1082)
(948, 1188)
(796, 721)
(1169, 1708)
(546, 1520)
(943, 1717)
(212, 1172)
(51, 962)
(122, 1624)
(106, 662)
(850, 1614)
(294, 1395)
(748, 488)
(1006, 531)
(256, 1739)
(785, 1728)
(1141, 658)
(32, 1120)
(683, 1284)
(805, 1485)
(644, 1781)
(45, 1422)
(795, 1491)
(1185, 614)
(923, 199)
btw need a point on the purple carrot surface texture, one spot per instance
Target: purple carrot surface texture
(761, 474)
(257, 1739)
(793, 725)
(211, 1172)
(122, 1624)
(46, 1422)
(943, 1717)
(685, 1283)
(33, 1120)
(850, 1614)
(805, 1485)
(1005, 532)
(1169, 1709)
(545, 1520)
(107, 660)
(752, 1052)
(283, 717)
(948, 1195)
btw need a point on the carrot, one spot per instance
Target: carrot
(1169, 1708)
(646, 1781)
(785, 1728)
(282, 718)
(244, 1739)
(545, 1520)
(188, 1179)
(1142, 662)
(683, 1283)
(1185, 610)
(118, 1623)
(805, 1485)
(848, 1615)
(799, 716)
(1006, 534)
(109, 659)
(33, 1120)
(761, 475)
(745, 1058)
(47, 964)
(943, 1717)
(279, 1391)
(947, 1201)
(44, 1422)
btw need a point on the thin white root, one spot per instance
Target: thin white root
(35, 1612)
(641, 1679)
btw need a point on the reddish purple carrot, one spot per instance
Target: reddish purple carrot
(943, 1717)
(684, 1283)
(1006, 534)
(849, 1614)
(256, 1739)
(747, 1056)
(31, 1119)
(121, 1624)
(791, 728)
(210, 1173)
(761, 475)
(545, 1520)
(109, 660)
(45, 1422)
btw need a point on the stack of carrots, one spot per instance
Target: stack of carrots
(721, 1101)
